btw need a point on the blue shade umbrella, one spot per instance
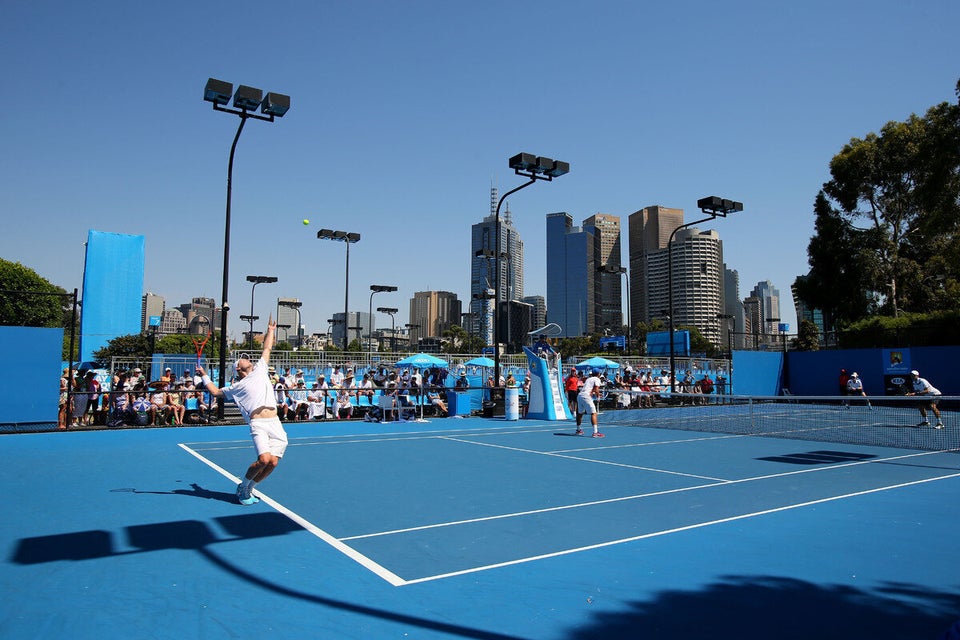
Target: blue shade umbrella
(597, 362)
(481, 361)
(421, 360)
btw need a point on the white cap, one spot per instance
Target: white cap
(915, 373)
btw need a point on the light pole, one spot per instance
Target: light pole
(255, 280)
(410, 327)
(392, 312)
(535, 168)
(729, 318)
(375, 288)
(609, 268)
(348, 238)
(713, 207)
(245, 101)
(295, 305)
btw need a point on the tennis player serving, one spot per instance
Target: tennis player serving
(253, 394)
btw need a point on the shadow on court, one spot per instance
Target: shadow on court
(195, 491)
(760, 608)
(198, 536)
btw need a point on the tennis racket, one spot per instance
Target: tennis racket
(200, 345)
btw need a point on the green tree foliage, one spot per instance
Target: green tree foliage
(808, 337)
(31, 306)
(137, 345)
(887, 221)
(459, 341)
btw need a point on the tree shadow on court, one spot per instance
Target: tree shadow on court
(760, 608)
(195, 535)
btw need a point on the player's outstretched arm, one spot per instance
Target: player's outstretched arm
(269, 339)
(208, 383)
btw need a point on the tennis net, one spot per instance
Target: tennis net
(889, 421)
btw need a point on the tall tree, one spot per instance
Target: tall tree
(892, 206)
(29, 300)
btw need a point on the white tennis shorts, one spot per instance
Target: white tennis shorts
(268, 436)
(585, 405)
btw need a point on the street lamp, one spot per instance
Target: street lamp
(295, 305)
(535, 168)
(729, 318)
(391, 311)
(410, 327)
(713, 207)
(348, 238)
(245, 102)
(609, 268)
(375, 288)
(251, 319)
(255, 280)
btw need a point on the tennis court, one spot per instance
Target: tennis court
(668, 527)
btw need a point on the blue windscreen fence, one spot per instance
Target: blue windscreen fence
(112, 290)
(32, 401)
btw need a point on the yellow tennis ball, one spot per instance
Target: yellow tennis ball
(305, 221)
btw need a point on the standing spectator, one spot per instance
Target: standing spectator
(721, 386)
(855, 388)
(572, 386)
(923, 388)
(706, 386)
(92, 387)
(842, 382)
(64, 406)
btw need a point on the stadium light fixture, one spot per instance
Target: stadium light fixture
(534, 168)
(714, 207)
(375, 288)
(347, 237)
(392, 312)
(275, 105)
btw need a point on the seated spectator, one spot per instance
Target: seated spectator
(317, 399)
(141, 409)
(343, 407)
(433, 395)
(462, 384)
(298, 402)
(365, 388)
(511, 381)
(349, 383)
(158, 404)
(175, 405)
(283, 406)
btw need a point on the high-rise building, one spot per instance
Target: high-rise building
(483, 265)
(735, 327)
(570, 270)
(697, 258)
(769, 297)
(356, 325)
(152, 305)
(649, 231)
(539, 304)
(607, 289)
(432, 313)
(198, 314)
(289, 317)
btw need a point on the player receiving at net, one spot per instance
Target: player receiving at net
(585, 402)
(254, 395)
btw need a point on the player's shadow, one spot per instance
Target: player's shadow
(195, 491)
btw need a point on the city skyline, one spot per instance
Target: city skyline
(123, 142)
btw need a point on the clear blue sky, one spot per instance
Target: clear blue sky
(403, 112)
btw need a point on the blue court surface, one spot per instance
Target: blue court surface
(477, 528)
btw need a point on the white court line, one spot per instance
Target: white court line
(554, 454)
(395, 580)
(676, 530)
(640, 496)
(351, 553)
